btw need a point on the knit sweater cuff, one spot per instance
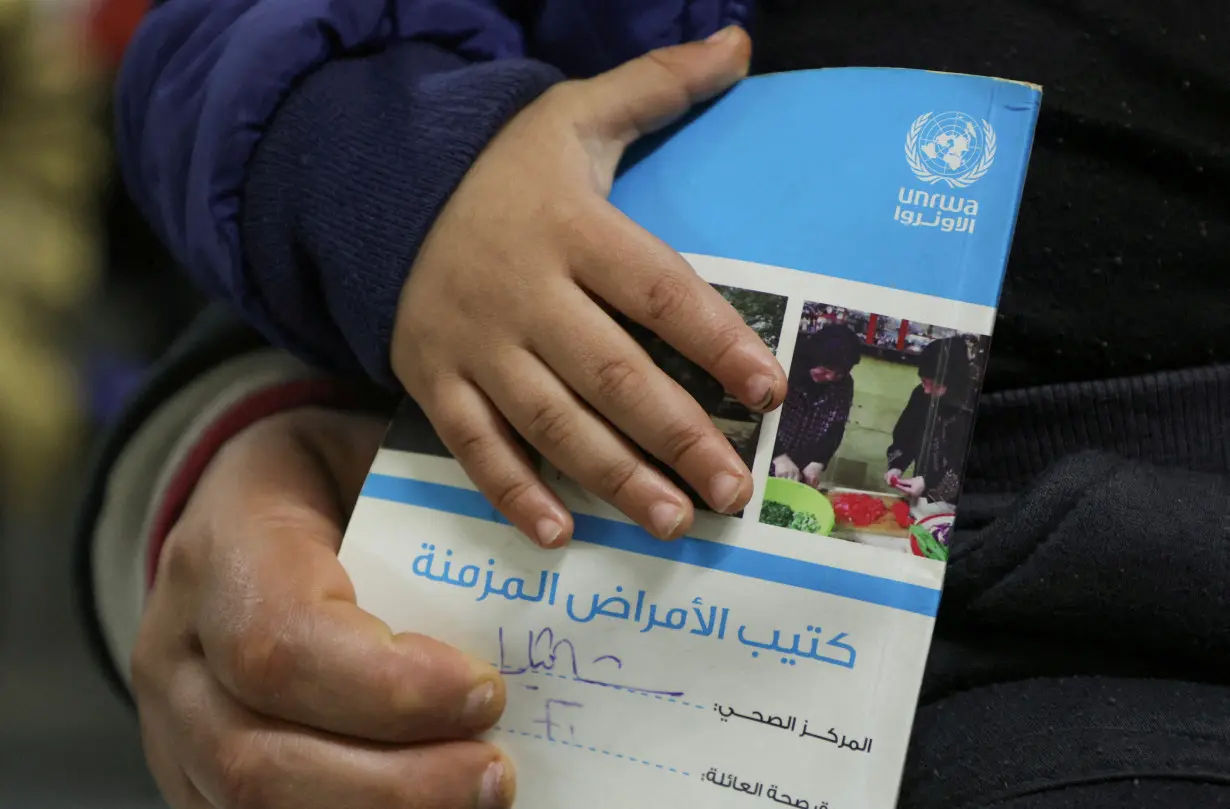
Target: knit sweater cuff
(350, 177)
(121, 557)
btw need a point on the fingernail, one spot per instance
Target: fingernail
(549, 532)
(494, 792)
(665, 518)
(718, 37)
(478, 705)
(760, 390)
(723, 490)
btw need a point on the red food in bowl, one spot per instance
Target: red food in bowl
(857, 509)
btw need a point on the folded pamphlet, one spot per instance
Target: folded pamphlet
(860, 220)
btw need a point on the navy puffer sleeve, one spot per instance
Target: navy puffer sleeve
(201, 82)
(293, 154)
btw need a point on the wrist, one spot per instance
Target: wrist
(349, 179)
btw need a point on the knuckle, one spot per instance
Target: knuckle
(724, 342)
(468, 443)
(510, 493)
(469, 302)
(584, 227)
(680, 439)
(673, 85)
(263, 660)
(481, 454)
(551, 424)
(177, 563)
(666, 297)
(617, 478)
(617, 378)
(568, 103)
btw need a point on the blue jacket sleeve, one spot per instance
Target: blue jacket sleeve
(293, 154)
(347, 182)
(199, 89)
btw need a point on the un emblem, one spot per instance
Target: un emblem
(950, 148)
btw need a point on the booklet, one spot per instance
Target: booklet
(860, 221)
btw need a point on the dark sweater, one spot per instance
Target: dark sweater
(813, 421)
(932, 437)
(1119, 261)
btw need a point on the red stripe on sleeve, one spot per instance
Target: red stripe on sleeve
(243, 414)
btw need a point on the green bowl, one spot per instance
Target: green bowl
(801, 497)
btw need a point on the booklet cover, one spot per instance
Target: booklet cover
(860, 220)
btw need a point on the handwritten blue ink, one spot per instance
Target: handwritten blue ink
(544, 653)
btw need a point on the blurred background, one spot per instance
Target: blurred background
(87, 301)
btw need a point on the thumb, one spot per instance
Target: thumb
(653, 91)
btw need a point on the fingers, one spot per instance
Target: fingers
(237, 759)
(785, 468)
(652, 284)
(283, 639)
(606, 367)
(479, 439)
(581, 445)
(646, 94)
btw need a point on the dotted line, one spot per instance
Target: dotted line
(626, 690)
(596, 750)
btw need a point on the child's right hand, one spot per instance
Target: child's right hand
(260, 682)
(785, 467)
(812, 473)
(503, 324)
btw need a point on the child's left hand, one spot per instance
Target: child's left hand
(505, 325)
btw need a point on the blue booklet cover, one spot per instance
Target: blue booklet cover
(860, 220)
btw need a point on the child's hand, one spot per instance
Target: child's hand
(785, 467)
(504, 321)
(258, 680)
(812, 473)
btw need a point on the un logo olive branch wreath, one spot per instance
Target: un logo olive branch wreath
(914, 157)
